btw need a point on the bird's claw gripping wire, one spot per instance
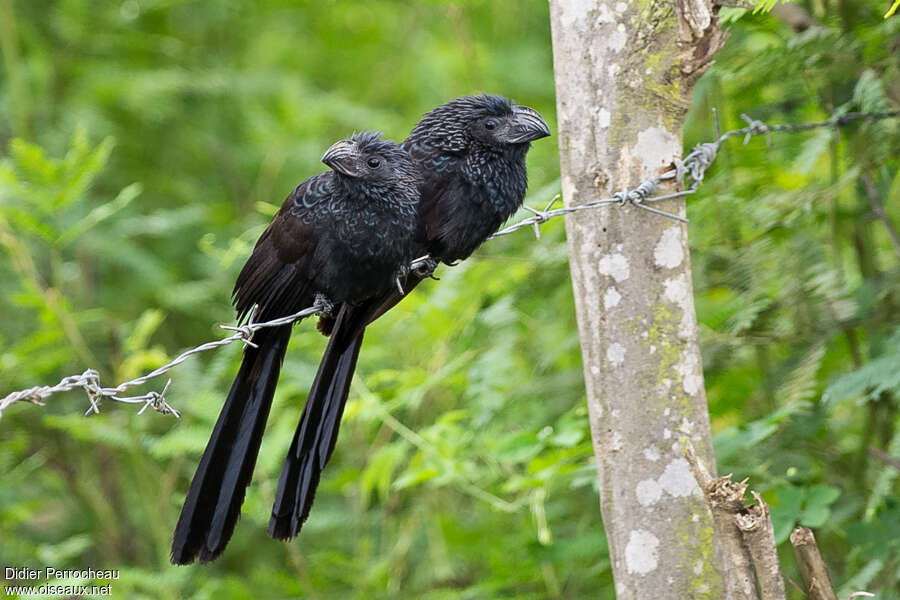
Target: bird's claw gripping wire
(324, 307)
(694, 164)
(401, 275)
(424, 266)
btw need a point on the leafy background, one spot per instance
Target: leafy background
(147, 142)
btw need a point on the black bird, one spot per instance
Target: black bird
(471, 154)
(343, 235)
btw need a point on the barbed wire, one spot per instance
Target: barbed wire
(694, 165)
(89, 381)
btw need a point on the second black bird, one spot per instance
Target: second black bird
(471, 154)
(343, 234)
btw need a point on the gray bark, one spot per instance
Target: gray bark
(755, 522)
(816, 582)
(726, 502)
(624, 73)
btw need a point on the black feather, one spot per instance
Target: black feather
(471, 182)
(316, 433)
(342, 235)
(214, 500)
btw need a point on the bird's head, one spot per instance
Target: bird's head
(489, 121)
(366, 158)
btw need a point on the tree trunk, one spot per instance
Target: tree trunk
(624, 75)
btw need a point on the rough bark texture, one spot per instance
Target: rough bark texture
(816, 582)
(726, 501)
(624, 73)
(744, 533)
(755, 523)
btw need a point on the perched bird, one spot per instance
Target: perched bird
(471, 155)
(344, 235)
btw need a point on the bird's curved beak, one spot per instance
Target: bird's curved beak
(342, 158)
(529, 125)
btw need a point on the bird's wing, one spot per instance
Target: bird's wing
(438, 205)
(278, 274)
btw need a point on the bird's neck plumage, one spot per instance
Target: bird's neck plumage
(500, 174)
(370, 195)
(466, 198)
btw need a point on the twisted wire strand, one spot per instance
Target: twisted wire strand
(693, 166)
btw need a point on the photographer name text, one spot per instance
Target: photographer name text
(27, 573)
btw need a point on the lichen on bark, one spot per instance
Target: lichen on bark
(620, 110)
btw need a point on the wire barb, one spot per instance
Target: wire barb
(245, 332)
(89, 381)
(694, 165)
(756, 127)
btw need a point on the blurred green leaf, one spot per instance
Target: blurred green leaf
(879, 376)
(468, 401)
(100, 213)
(518, 447)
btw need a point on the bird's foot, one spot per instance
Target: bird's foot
(325, 306)
(424, 267)
(403, 272)
(400, 277)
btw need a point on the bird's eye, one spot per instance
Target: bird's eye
(373, 162)
(490, 124)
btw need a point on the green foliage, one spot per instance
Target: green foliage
(146, 144)
(764, 6)
(795, 505)
(729, 15)
(796, 280)
(880, 376)
(119, 255)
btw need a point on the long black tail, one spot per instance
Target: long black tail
(213, 503)
(317, 431)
